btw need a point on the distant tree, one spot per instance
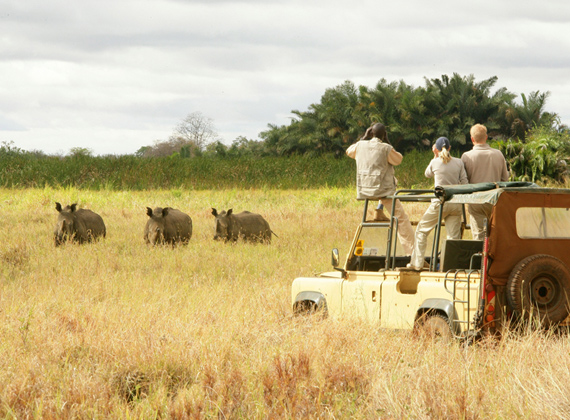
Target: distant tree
(329, 126)
(80, 152)
(242, 146)
(190, 150)
(337, 119)
(196, 129)
(216, 149)
(517, 119)
(9, 148)
(412, 121)
(143, 151)
(414, 116)
(457, 103)
(162, 148)
(380, 104)
(189, 138)
(275, 137)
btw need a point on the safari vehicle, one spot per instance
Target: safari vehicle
(519, 272)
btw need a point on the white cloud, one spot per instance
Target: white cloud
(116, 76)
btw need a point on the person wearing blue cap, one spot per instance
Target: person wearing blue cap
(446, 170)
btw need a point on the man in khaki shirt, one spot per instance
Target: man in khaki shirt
(375, 161)
(482, 164)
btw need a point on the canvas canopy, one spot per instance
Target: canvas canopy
(482, 193)
(525, 222)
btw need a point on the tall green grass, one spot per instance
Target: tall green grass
(21, 170)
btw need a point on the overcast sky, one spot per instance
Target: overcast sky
(115, 75)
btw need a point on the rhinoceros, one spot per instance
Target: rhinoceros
(77, 225)
(167, 225)
(248, 226)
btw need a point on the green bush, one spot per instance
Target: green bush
(542, 157)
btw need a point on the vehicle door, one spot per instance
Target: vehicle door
(361, 288)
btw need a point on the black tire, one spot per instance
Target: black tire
(434, 326)
(539, 288)
(308, 307)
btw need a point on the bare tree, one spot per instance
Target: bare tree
(196, 129)
(189, 138)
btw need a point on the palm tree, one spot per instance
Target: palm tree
(459, 102)
(336, 117)
(518, 119)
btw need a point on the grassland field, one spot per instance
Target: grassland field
(119, 329)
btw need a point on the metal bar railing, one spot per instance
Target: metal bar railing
(467, 281)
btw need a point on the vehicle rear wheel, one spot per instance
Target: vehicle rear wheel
(538, 289)
(434, 327)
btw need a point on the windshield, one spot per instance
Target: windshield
(373, 241)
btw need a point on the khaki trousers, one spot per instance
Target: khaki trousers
(451, 214)
(477, 215)
(405, 230)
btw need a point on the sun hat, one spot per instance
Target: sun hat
(442, 142)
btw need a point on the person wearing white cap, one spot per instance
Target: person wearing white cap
(446, 170)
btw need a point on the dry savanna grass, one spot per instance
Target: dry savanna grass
(118, 329)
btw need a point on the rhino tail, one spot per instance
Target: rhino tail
(273, 233)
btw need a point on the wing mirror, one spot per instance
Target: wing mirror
(336, 263)
(335, 258)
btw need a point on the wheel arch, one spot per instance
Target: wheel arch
(316, 299)
(439, 306)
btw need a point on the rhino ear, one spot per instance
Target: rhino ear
(214, 212)
(165, 212)
(149, 212)
(229, 212)
(73, 207)
(58, 206)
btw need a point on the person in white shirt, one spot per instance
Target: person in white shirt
(375, 161)
(482, 164)
(446, 170)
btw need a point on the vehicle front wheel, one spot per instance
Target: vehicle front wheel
(308, 307)
(434, 327)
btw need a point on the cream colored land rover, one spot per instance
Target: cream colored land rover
(518, 273)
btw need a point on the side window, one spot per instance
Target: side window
(543, 223)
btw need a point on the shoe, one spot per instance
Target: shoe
(379, 216)
(410, 267)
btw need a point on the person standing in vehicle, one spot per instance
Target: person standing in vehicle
(446, 170)
(482, 164)
(375, 161)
